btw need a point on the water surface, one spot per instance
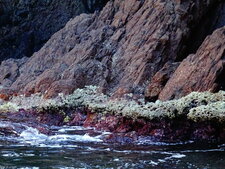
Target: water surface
(77, 147)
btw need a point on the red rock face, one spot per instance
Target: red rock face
(119, 49)
(201, 71)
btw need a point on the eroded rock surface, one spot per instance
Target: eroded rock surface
(120, 49)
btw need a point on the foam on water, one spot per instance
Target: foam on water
(147, 140)
(72, 128)
(79, 146)
(33, 137)
(77, 138)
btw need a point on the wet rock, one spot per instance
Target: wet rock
(14, 122)
(114, 48)
(77, 119)
(7, 131)
(123, 129)
(122, 138)
(203, 71)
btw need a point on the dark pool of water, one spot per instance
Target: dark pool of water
(72, 147)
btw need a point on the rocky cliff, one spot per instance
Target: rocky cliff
(129, 46)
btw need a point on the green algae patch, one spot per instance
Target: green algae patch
(197, 106)
(188, 106)
(211, 112)
(8, 107)
(66, 119)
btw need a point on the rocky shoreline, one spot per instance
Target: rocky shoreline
(173, 121)
(155, 64)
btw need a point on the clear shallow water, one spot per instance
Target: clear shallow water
(77, 147)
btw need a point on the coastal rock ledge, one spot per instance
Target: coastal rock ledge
(198, 116)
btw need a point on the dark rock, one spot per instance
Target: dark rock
(26, 25)
(93, 5)
(213, 20)
(7, 131)
(10, 71)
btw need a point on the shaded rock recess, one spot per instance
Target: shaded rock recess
(25, 25)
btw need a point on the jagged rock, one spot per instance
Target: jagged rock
(121, 47)
(203, 71)
(206, 26)
(26, 25)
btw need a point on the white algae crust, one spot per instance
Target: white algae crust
(197, 106)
